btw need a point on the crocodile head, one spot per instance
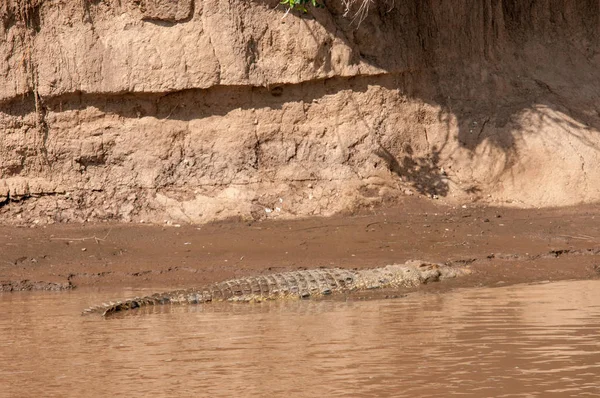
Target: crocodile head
(429, 272)
(447, 271)
(432, 272)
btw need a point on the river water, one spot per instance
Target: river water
(519, 341)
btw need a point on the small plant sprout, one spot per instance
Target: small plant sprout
(300, 5)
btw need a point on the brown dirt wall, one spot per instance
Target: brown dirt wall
(189, 112)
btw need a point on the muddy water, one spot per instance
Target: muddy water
(519, 341)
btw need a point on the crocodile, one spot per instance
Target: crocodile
(295, 284)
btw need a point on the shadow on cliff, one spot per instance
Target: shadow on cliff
(487, 65)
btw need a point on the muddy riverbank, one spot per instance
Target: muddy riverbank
(502, 246)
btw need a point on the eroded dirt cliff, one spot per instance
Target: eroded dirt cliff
(192, 111)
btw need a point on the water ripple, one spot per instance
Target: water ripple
(520, 341)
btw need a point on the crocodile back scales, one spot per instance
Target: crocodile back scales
(294, 284)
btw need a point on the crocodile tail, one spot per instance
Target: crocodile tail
(130, 304)
(110, 308)
(124, 306)
(175, 297)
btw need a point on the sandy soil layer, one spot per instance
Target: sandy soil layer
(503, 246)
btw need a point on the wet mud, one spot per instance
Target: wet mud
(502, 246)
(27, 285)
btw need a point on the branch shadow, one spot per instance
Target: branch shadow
(422, 172)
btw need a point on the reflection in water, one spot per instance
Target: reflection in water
(520, 341)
